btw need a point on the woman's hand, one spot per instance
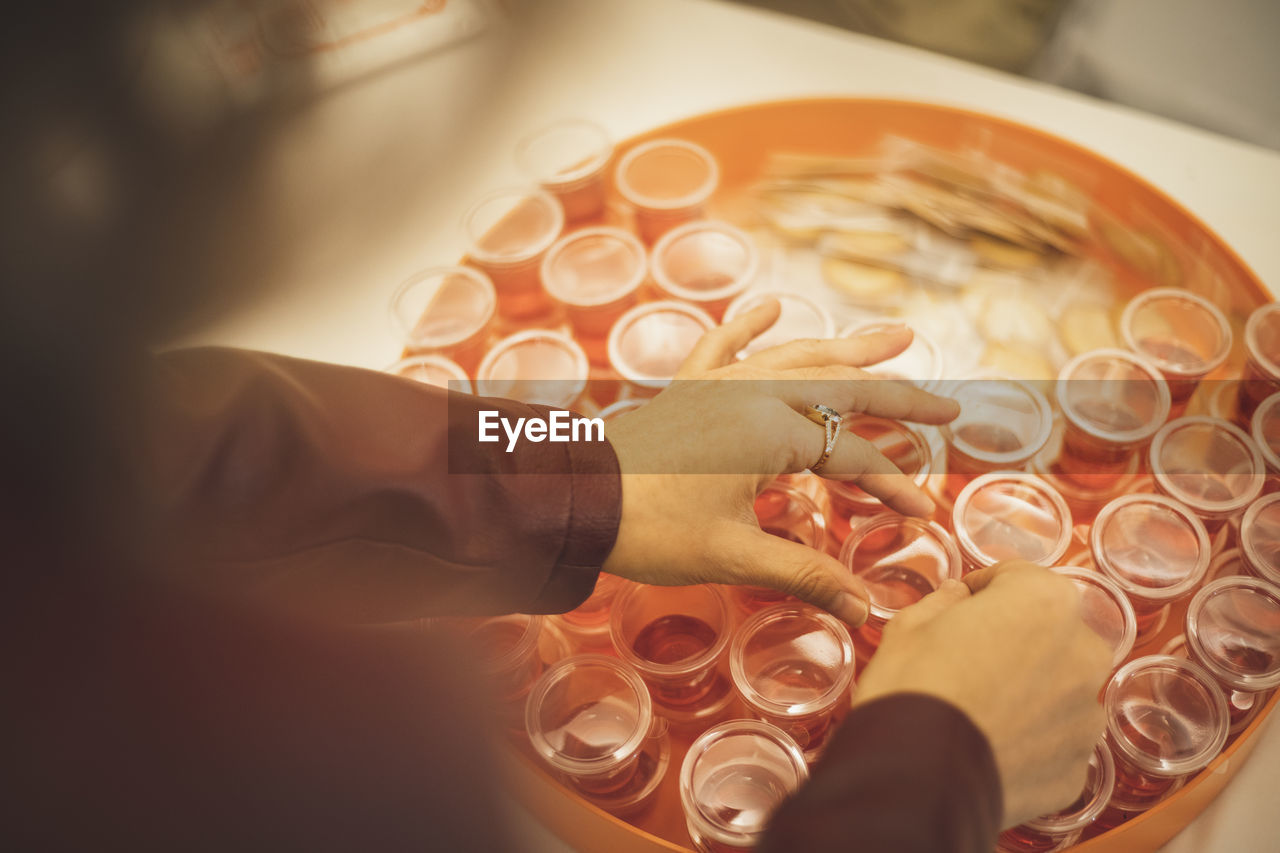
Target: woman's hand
(1009, 648)
(694, 458)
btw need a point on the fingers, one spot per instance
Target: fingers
(761, 559)
(854, 459)
(950, 593)
(982, 578)
(857, 351)
(720, 346)
(850, 389)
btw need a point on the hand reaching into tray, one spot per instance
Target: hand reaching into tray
(695, 457)
(1008, 648)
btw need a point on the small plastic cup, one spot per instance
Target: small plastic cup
(814, 488)
(433, 370)
(792, 665)
(508, 232)
(1002, 424)
(595, 273)
(733, 777)
(920, 363)
(801, 317)
(1082, 486)
(568, 159)
(448, 311)
(1260, 539)
(1209, 465)
(668, 182)
(900, 560)
(785, 510)
(1262, 358)
(507, 650)
(1228, 563)
(676, 638)
(1106, 609)
(1265, 432)
(535, 366)
(1055, 832)
(900, 444)
(705, 263)
(1113, 402)
(1010, 515)
(1233, 631)
(1166, 720)
(1184, 335)
(590, 719)
(1153, 548)
(587, 625)
(649, 343)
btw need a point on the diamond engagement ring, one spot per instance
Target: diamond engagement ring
(829, 419)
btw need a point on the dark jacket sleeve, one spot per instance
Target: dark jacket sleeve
(905, 773)
(361, 496)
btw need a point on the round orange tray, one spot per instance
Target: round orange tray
(1188, 254)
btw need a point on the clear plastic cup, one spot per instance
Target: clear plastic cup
(920, 363)
(448, 311)
(1002, 424)
(535, 366)
(508, 232)
(1113, 402)
(792, 665)
(1209, 465)
(785, 510)
(1265, 432)
(595, 273)
(508, 652)
(1227, 563)
(801, 317)
(587, 625)
(676, 638)
(1260, 539)
(568, 159)
(815, 489)
(1010, 515)
(1233, 631)
(1057, 831)
(902, 445)
(1166, 720)
(900, 560)
(1184, 335)
(433, 370)
(1106, 609)
(1262, 358)
(1153, 548)
(706, 263)
(649, 343)
(668, 182)
(733, 777)
(590, 719)
(1082, 486)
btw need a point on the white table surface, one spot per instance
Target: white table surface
(371, 182)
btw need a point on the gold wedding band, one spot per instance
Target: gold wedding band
(829, 419)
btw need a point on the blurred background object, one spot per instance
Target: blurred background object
(1211, 65)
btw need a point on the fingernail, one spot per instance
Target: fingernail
(926, 506)
(850, 609)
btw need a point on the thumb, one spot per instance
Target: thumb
(762, 559)
(946, 596)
